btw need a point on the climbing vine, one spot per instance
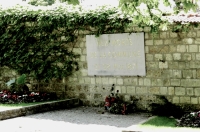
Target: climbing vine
(39, 41)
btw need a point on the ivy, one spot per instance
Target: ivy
(152, 14)
(38, 41)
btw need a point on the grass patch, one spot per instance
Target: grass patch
(160, 121)
(24, 104)
(164, 124)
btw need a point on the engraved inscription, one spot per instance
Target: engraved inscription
(116, 54)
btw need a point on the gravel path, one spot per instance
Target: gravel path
(81, 119)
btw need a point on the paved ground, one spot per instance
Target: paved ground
(85, 119)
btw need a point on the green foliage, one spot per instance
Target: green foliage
(41, 2)
(73, 2)
(21, 79)
(39, 42)
(151, 13)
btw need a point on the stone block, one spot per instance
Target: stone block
(185, 100)
(130, 90)
(198, 33)
(157, 82)
(87, 80)
(159, 49)
(176, 74)
(118, 89)
(93, 81)
(194, 64)
(112, 80)
(130, 81)
(77, 50)
(146, 35)
(98, 80)
(175, 100)
(167, 73)
(166, 82)
(175, 82)
(152, 65)
(187, 57)
(158, 57)
(193, 48)
(163, 90)
(188, 41)
(123, 89)
(105, 80)
(158, 42)
(163, 65)
(120, 81)
(147, 82)
(153, 73)
(168, 57)
(170, 90)
(181, 48)
(154, 90)
(146, 48)
(141, 90)
(141, 82)
(194, 100)
(167, 41)
(173, 35)
(197, 41)
(179, 91)
(181, 65)
(149, 42)
(172, 65)
(190, 91)
(191, 34)
(164, 35)
(147, 29)
(81, 80)
(190, 82)
(149, 57)
(197, 91)
(187, 74)
(198, 73)
(177, 56)
(83, 58)
(197, 56)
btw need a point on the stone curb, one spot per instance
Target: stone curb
(33, 109)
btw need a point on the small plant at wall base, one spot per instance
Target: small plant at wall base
(115, 104)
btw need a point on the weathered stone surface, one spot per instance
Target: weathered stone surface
(163, 90)
(185, 100)
(194, 100)
(176, 100)
(190, 91)
(171, 91)
(131, 90)
(175, 82)
(179, 91)
(141, 90)
(154, 90)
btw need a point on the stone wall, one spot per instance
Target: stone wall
(172, 70)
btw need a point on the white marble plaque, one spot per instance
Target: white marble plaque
(116, 54)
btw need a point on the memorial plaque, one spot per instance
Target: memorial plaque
(116, 54)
